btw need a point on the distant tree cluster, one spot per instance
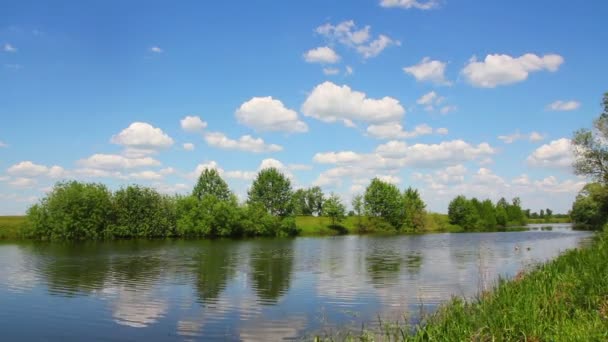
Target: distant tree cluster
(473, 214)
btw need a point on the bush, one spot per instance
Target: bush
(208, 217)
(142, 212)
(72, 211)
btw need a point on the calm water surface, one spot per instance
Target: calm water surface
(254, 290)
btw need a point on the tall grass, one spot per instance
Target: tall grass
(11, 227)
(563, 300)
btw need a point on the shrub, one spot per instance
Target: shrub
(72, 211)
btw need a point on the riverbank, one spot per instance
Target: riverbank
(563, 300)
(12, 227)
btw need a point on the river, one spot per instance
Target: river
(251, 290)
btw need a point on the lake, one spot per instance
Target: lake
(251, 290)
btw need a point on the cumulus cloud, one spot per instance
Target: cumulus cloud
(499, 69)
(29, 169)
(428, 70)
(348, 34)
(394, 130)
(511, 138)
(337, 157)
(556, 154)
(563, 105)
(141, 138)
(188, 146)
(329, 102)
(23, 182)
(146, 175)
(268, 114)
(321, 54)
(193, 124)
(244, 143)
(108, 162)
(407, 4)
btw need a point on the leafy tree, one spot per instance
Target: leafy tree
(463, 213)
(272, 190)
(590, 209)
(414, 206)
(142, 212)
(314, 200)
(72, 211)
(299, 202)
(208, 217)
(487, 214)
(334, 209)
(515, 214)
(591, 148)
(211, 183)
(548, 213)
(542, 213)
(358, 207)
(383, 200)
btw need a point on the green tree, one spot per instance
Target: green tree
(414, 206)
(272, 190)
(314, 200)
(334, 209)
(72, 211)
(590, 209)
(142, 212)
(487, 215)
(383, 200)
(299, 202)
(463, 213)
(211, 183)
(591, 148)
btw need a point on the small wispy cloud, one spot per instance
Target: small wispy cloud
(9, 48)
(156, 49)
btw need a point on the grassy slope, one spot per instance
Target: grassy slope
(10, 226)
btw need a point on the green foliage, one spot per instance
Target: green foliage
(72, 211)
(272, 190)
(334, 209)
(211, 183)
(383, 200)
(463, 213)
(142, 212)
(308, 201)
(208, 217)
(475, 215)
(414, 207)
(590, 209)
(591, 148)
(12, 227)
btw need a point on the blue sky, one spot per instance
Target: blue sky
(451, 97)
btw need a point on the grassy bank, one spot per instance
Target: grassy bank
(563, 300)
(11, 227)
(551, 220)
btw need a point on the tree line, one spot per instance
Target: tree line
(473, 214)
(75, 210)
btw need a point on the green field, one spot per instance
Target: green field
(10, 226)
(551, 220)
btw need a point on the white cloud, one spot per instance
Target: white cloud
(556, 154)
(299, 167)
(428, 98)
(407, 4)
(329, 102)
(156, 49)
(9, 48)
(349, 70)
(337, 157)
(141, 138)
(376, 46)
(389, 179)
(442, 131)
(552, 185)
(192, 124)
(428, 70)
(394, 130)
(212, 165)
(499, 69)
(448, 109)
(361, 40)
(268, 114)
(87, 172)
(244, 143)
(146, 175)
(27, 169)
(331, 71)
(511, 138)
(188, 146)
(432, 155)
(22, 182)
(245, 175)
(563, 105)
(108, 162)
(2, 144)
(322, 54)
